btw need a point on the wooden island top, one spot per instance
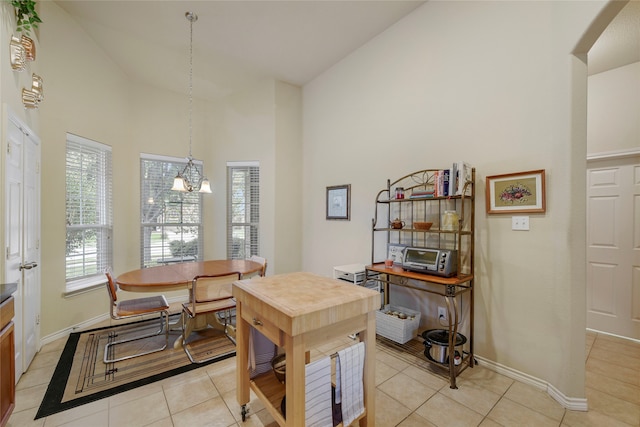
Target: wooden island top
(303, 302)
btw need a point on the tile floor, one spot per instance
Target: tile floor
(407, 395)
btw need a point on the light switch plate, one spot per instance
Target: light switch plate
(520, 223)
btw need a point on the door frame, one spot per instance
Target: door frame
(592, 159)
(29, 329)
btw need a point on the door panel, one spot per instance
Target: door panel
(613, 246)
(31, 249)
(22, 238)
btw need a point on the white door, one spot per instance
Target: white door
(31, 250)
(22, 232)
(613, 246)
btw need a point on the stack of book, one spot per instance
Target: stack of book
(422, 194)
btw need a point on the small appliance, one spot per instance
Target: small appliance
(439, 262)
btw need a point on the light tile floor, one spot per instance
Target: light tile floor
(407, 395)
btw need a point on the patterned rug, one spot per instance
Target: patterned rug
(82, 377)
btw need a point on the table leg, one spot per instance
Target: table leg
(242, 357)
(295, 386)
(368, 336)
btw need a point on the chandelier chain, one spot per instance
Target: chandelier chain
(191, 18)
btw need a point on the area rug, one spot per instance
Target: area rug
(82, 377)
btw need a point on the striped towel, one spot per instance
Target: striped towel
(261, 351)
(349, 385)
(318, 394)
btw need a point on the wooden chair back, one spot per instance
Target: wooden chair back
(207, 288)
(111, 288)
(260, 260)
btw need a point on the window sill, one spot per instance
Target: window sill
(83, 286)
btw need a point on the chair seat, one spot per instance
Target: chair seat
(209, 306)
(141, 306)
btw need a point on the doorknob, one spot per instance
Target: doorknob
(28, 266)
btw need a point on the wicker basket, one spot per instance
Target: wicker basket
(418, 225)
(393, 327)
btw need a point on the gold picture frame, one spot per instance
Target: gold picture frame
(339, 202)
(522, 192)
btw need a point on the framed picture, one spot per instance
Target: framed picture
(339, 202)
(395, 252)
(516, 193)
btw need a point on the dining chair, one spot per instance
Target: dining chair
(209, 295)
(137, 307)
(260, 260)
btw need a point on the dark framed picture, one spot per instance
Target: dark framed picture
(522, 192)
(339, 202)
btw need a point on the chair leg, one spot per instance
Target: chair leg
(187, 328)
(164, 326)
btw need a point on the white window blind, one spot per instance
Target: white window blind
(243, 210)
(171, 221)
(89, 219)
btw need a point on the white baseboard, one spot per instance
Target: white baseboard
(89, 323)
(572, 403)
(631, 340)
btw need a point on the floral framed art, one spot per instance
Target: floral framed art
(339, 202)
(522, 192)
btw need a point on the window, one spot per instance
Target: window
(171, 221)
(243, 209)
(88, 212)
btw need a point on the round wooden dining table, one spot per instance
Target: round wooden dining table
(177, 276)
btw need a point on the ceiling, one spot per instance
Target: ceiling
(237, 43)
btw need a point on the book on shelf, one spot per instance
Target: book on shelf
(463, 172)
(421, 194)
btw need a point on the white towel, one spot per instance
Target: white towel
(349, 385)
(318, 394)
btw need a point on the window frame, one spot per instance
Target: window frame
(253, 225)
(173, 165)
(103, 210)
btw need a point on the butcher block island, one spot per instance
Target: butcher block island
(299, 311)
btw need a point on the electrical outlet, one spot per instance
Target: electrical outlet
(442, 313)
(520, 223)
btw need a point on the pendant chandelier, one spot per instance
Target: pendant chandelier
(190, 179)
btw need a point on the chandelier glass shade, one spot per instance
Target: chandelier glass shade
(190, 179)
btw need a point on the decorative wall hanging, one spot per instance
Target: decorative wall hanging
(31, 98)
(516, 193)
(36, 86)
(339, 202)
(29, 48)
(18, 54)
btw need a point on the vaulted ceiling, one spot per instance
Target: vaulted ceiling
(237, 43)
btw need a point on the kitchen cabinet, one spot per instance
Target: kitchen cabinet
(299, 311)
(7, 361)
(400, 208)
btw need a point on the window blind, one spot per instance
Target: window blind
(171, 221)
(89, 217)
(243, 210)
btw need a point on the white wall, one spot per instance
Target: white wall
(614, 110)
(491, 83)
(85, 94)
(262, 124)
